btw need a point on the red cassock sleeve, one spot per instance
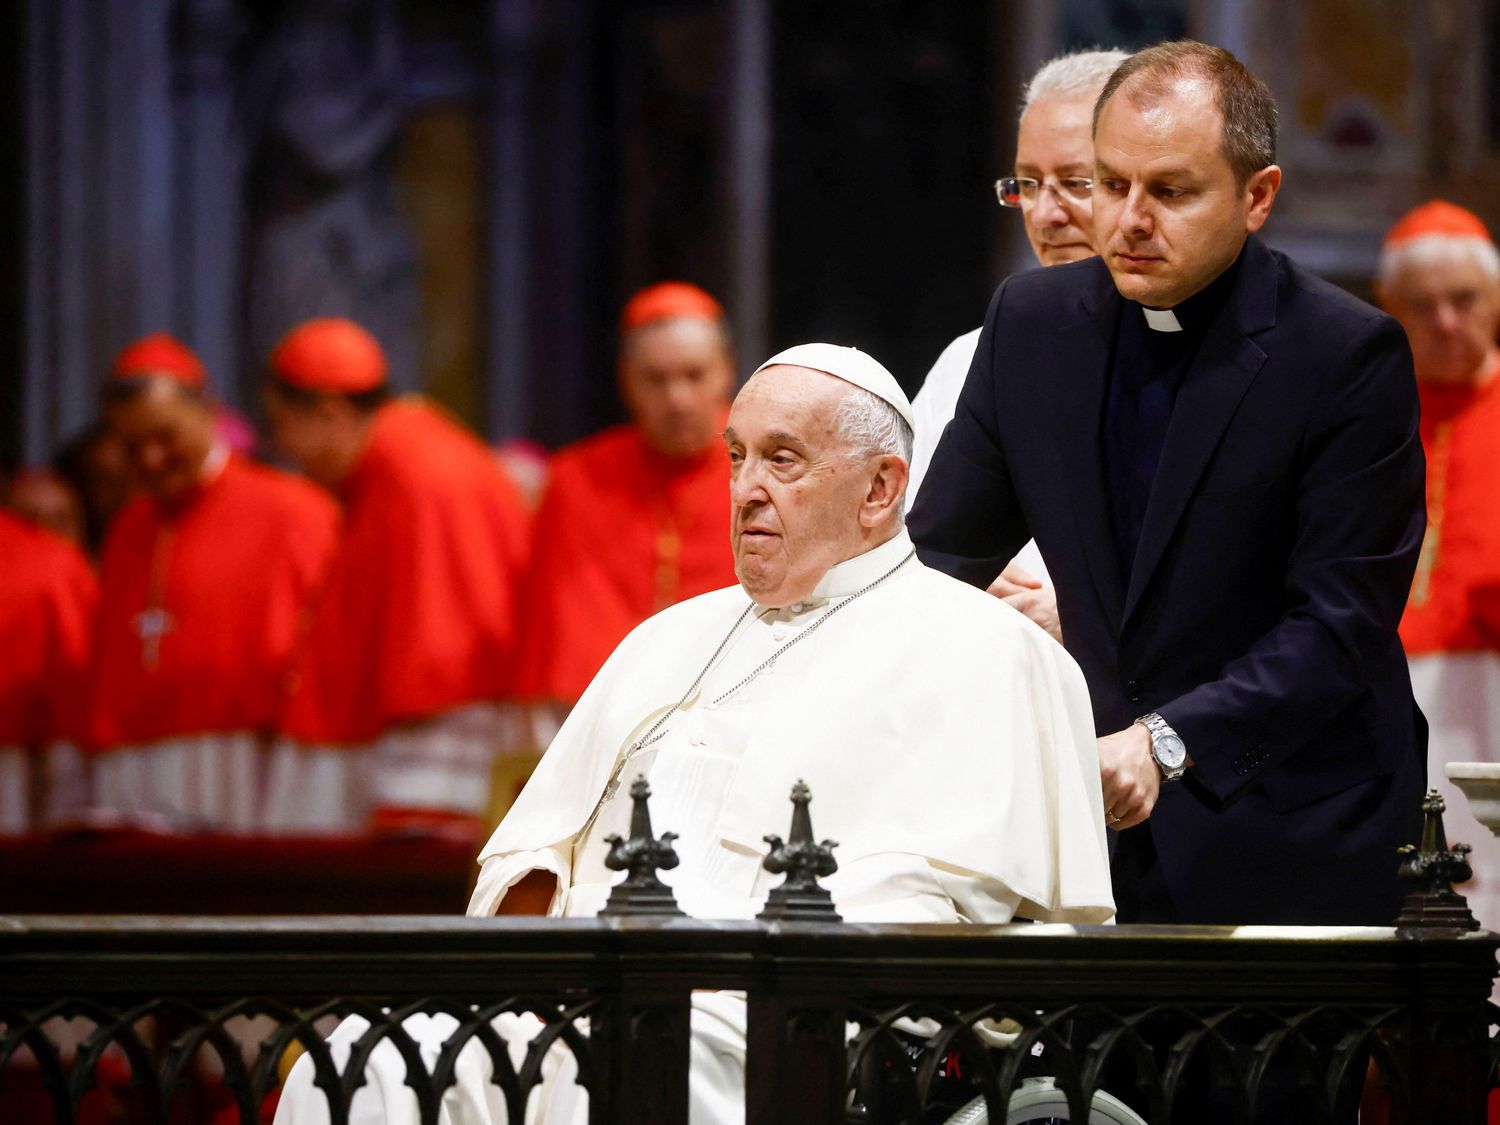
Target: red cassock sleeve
(47, 605)
(419, 614)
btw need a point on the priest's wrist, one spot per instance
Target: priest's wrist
(1167, 748)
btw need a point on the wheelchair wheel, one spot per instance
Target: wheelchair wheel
(1038, 1100)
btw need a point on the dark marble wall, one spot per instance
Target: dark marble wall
(486, 181)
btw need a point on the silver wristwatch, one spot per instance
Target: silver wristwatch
(1166, 747)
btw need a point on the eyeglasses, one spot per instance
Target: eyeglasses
(1022, 191)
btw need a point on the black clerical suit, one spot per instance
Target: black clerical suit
(1247, 585)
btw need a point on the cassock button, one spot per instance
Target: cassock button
(778, 633)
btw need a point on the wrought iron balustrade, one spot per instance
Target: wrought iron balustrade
(615, 993)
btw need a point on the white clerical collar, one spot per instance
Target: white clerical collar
(853, 575)
(1161, 320)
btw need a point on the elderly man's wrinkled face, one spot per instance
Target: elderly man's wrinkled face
(1450, 308)
(167, 433)
(1169, 212)
(675, 377)
(1055, 148)
(795, 484)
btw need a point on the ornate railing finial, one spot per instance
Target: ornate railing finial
(643, 855)
(1432, 907)
(799, 898)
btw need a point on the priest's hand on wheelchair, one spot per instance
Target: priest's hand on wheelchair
(1130, 776)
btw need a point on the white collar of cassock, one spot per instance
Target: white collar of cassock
(1161, 320)
(852, 575)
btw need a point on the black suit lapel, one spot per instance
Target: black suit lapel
(1082, 363)
(1226, 364)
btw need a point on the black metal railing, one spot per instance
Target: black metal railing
(887, 1023)
(1328, 1000)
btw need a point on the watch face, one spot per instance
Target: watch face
(1170, 751)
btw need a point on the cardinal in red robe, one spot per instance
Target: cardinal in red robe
(1440, 277)
(46, 616)
(400, 704)
(206, 580)
(634, 519)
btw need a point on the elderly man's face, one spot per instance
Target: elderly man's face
(795, 485)
(1450, 308)
(1054, 147)
(1169, 215)
(167, 433)
(675, 377)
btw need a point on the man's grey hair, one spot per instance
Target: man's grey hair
(1437, 250)
(1076, 74)
(871, 426)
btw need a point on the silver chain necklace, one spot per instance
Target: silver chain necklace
(656, 731)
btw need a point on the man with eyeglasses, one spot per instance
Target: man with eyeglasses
(1219, 455)
(1052, 189)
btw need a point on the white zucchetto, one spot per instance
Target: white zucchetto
(850, 365)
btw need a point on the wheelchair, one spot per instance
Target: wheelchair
(883, 1093)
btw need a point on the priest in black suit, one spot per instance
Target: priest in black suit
(1217, 454)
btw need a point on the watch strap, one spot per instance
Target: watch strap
(1158, 728)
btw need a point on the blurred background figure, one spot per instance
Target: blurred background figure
(95, 465)
(205, 581)
(46, 499)
(399, 705)
(634, 518)
(46, 615)
(1052, 188)
(1440, 277)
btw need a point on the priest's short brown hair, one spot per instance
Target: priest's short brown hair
(1245, 102)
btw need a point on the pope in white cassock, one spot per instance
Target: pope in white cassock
(948, 741)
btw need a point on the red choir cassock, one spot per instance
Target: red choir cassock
(1451, 627)
(419, 616)
(1454, 604)
(47, 602)
(202, 604)
(626, 528)
(623, 532)
(413, 649)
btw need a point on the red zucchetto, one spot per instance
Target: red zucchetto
(161, 353)
(330, 355)
(669, 300)
(1436, 218)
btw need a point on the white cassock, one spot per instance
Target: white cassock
(933, 409)
(948, 743)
